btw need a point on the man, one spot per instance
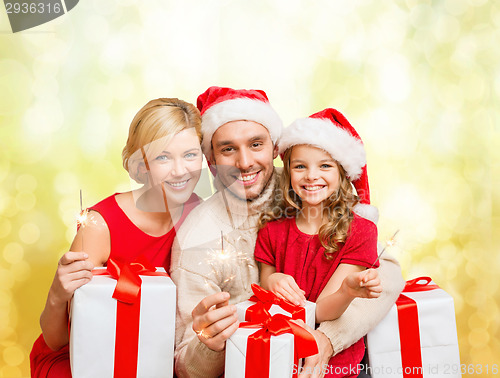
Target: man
(212, 261)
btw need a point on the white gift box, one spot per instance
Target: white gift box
(93, 328)
(310, 307)
(281, 355)
(438, 339)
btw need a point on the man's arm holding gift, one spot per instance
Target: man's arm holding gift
(358, 319)
(73, 271)
(364, 314)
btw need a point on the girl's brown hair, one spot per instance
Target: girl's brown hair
(337, 209)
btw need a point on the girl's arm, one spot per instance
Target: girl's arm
(283, 285)
(73, 270)
(348, 282)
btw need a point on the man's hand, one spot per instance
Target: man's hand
(314, 365)
(214, 320)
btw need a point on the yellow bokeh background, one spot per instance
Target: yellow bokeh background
(420, 80)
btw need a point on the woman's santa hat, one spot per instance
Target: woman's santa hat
(219, 106)
(330, 131)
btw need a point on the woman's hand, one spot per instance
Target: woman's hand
(365, 284)
(73, 271)
(284, 286)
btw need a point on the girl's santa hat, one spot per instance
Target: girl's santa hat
(219, 106)
(330, 131)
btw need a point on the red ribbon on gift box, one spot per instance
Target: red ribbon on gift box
(265, 299)
(409, 334)
(128, 308)
(259, 343)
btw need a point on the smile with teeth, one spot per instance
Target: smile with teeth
(246, 178)
(177, 184)
(313, 188)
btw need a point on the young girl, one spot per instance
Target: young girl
(318, 247)
(162, 152)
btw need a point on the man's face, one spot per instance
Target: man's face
(243, 153)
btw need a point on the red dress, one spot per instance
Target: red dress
(282, 245)
(127, 243)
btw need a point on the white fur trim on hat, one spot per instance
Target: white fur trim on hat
(241, 109)
(321, 133)
(369, 212)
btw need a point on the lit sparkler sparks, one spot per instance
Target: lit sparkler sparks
(225, 259)
(389, 243)
(82, 218)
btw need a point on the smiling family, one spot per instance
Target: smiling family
(306, 231)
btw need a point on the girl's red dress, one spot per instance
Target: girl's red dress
(282, 245)
(127, 243)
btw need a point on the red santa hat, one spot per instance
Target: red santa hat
(219, 106)
(330, 131)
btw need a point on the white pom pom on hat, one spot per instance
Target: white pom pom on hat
(219, 106)
(332, 132)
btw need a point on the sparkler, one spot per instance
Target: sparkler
(82, 218)
(388, 243)
(224, 260)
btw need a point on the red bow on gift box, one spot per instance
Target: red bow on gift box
(259, 343)
(409, 333)
(128, 308)
(265, 299)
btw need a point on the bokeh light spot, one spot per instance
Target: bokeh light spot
(479, 337)
(26, 182)
(13, 356)
(10, 372)
(25, 201)
(4, 167)
(29, 233)
(15, 84)
(13, 253)
(66, 182)
(21, 271)
(5, 227)
(6, 279)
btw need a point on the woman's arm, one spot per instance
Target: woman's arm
(90, 248)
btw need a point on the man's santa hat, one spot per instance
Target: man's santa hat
(219, 106)
(330, 131)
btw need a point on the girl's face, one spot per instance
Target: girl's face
(177, 167)
(314, 174)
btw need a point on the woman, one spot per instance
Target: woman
(163, 153)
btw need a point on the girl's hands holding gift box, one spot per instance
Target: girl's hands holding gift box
(284, 286)
(365, 284)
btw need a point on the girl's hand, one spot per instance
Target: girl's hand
(73, 270)
(365, 284)
(284, 286)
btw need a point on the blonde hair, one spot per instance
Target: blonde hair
(158, 119)
(337, 208)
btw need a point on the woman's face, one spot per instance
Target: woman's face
(176, 169)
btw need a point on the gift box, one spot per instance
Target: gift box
(123, 323)
(270, 347)
(274, 305)
(418, 337)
